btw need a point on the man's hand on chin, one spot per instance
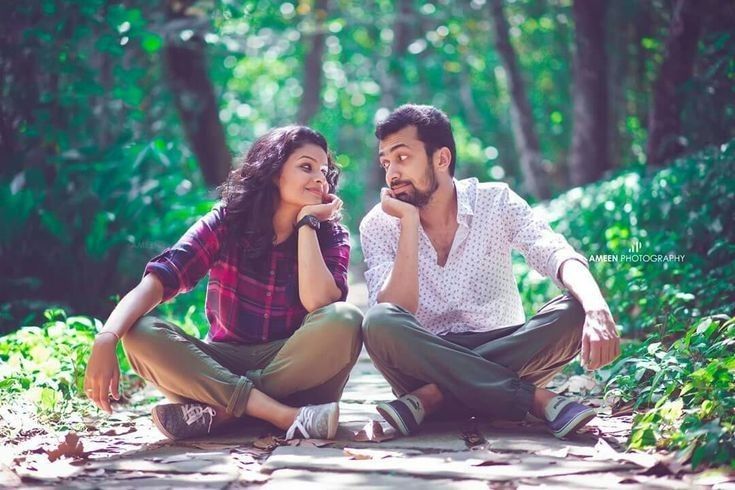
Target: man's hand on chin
(393, 206)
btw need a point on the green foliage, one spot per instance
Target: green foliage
(681, 210)
(45, 365)
(85, 232)
(687, 387)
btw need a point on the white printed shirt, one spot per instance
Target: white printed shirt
(476, 289)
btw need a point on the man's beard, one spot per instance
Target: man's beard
(420, 198)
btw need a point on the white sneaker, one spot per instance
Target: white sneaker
(316, 422)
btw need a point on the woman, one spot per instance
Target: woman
(281, 342)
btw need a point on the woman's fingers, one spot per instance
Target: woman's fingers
(99, 391)
(115, 385)
(103, 398)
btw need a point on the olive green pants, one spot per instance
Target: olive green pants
(310, 367)
(491, 373)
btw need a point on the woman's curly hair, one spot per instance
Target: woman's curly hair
(250, 194)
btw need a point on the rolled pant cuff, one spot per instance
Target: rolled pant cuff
(523, 400)
(239, 398)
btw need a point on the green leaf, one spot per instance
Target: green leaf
(151, 42)
(54, 226)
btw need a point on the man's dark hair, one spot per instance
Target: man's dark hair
(432, 125)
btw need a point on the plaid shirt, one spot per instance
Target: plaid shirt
(249, 301)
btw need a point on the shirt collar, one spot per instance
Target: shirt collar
(464, 201)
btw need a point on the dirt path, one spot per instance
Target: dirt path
(126, 451)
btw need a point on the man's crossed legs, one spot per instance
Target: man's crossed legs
(497, 374)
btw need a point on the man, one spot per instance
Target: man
(446, 326)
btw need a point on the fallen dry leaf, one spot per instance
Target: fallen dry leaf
(117, 431)
(495, 459)
(603, 450)
(373, 432)
(620, 411)
(369, 453)
(554, 453)
(316, 442)
(663, 467)
(214, 446)
(269, 443)
(473, 439)
(44, 470)
(71, 447)
(578, 385)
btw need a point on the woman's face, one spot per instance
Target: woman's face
(303, 179)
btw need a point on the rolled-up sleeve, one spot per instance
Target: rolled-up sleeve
(335, 247)
(544, 250)
(180, 267)
(379, 241)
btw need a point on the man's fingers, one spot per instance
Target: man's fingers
(602, 353)
(585, 351)
(613, 348)
(594, 354)
(606, 357)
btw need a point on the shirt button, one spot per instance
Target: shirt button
(268, 294)
(273, 273)
(266, 315)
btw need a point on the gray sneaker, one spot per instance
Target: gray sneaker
(316, 422)
(183, 420)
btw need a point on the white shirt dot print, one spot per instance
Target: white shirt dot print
(476, 289)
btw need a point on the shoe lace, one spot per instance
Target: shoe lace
(304, 418)
(193, 412)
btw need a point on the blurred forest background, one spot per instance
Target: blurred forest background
(118, 119)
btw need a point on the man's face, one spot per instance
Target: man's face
(409, 172)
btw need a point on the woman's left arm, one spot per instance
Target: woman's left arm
(317, 286)
(318, 283)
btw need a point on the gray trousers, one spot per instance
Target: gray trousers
(489, 374)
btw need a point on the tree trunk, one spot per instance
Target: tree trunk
(389, 72)
(313, 66)
(186, 68)
(665, 139)
(525, 137)
(589, 156)
(401, 37)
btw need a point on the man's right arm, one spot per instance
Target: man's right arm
(402, 286)
(392, 274)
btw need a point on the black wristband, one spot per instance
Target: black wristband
(308, 220)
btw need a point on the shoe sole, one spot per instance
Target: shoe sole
(160, 427)
(577, 422)
(392, 417)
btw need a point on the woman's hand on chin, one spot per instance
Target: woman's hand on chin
(322, 212)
